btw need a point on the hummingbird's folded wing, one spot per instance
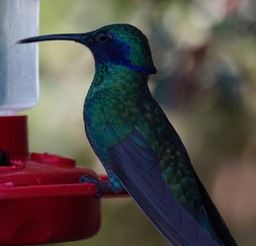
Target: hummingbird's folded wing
(137, 166)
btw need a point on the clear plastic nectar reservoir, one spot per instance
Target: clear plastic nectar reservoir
(19, 86)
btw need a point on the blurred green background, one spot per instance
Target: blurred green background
(206, 82)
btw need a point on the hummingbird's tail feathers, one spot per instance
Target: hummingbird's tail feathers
(215, 219)
(134, 160)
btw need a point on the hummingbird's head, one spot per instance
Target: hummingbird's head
(120, 44)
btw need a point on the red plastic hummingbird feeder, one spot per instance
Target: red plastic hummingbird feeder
(41, 199)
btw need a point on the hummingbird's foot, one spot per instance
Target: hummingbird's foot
(102, 187)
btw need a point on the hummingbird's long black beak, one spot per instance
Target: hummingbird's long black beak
(83, 38)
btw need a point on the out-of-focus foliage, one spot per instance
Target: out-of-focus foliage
(205, 54)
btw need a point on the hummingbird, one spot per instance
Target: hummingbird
(139, 148)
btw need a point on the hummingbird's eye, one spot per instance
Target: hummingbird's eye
(104, 37)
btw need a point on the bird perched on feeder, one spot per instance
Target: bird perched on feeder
(139, 148)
